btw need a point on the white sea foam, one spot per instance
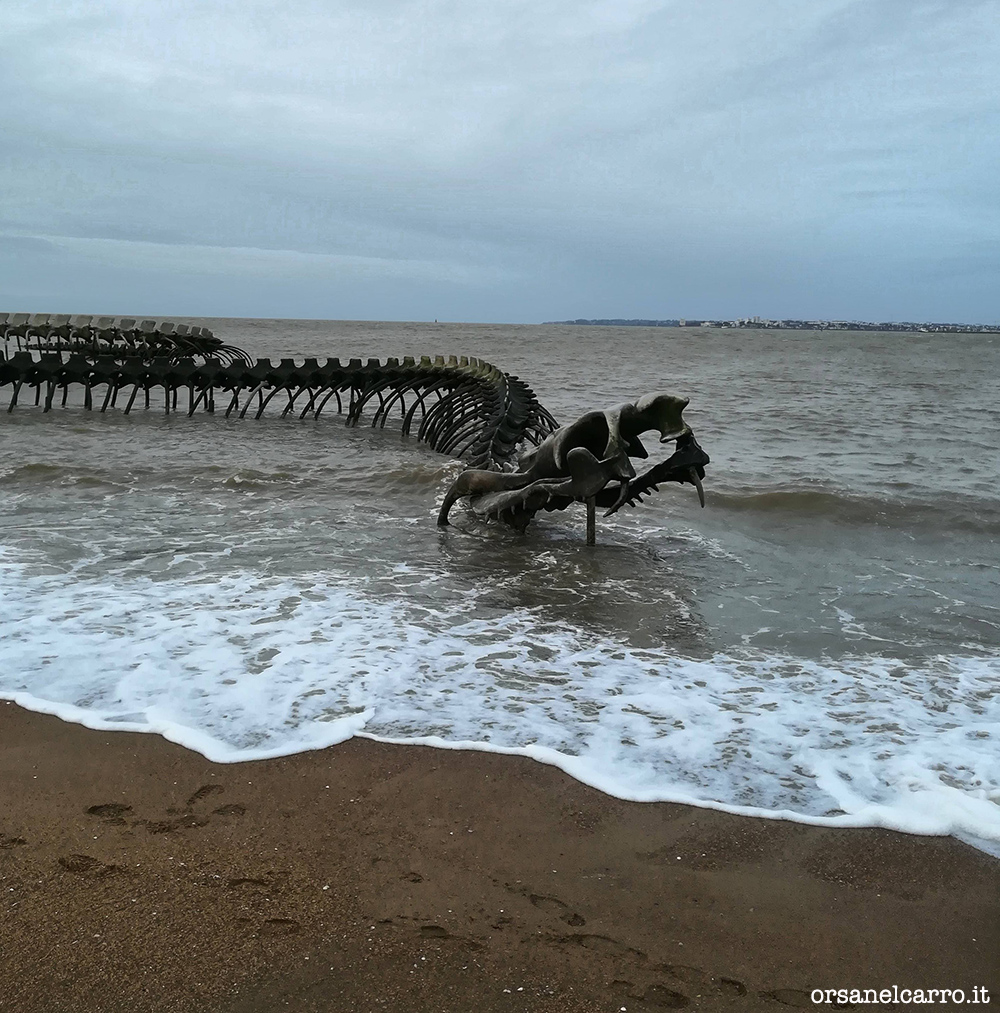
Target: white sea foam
(247, 666)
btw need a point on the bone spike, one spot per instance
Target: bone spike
(696, 482)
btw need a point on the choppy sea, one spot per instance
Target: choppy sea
(821, 643)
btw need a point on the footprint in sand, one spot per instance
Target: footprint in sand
(110, 812)
(557, 907)
(654, 996)
(667, 992)
(665, 998)
(11, 842)
(85, 865)
(707, 983)
(115, 813)
(204, 792)
(233, 809)
(280, 927)
(605, 944)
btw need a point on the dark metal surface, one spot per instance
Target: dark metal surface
(462, 407)
(589, 461)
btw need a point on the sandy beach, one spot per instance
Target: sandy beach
(136, 875)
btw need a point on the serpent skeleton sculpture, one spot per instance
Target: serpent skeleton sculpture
(477, 413)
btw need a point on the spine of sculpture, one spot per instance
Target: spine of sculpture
(462, 407)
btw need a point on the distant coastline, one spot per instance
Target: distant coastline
(758, 323)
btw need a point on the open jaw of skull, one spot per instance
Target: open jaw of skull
(589, 460)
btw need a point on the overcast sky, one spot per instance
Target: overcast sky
(506, 160)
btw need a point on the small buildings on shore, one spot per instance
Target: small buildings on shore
(760, 323)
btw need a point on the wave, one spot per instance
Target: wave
(958, 511)
(251, 666)
(28, 476)
(420, 473)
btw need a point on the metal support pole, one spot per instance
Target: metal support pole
(591, 520)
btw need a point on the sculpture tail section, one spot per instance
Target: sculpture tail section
(59, 334)
(463, 407)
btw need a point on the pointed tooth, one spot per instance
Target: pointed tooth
(696, 482)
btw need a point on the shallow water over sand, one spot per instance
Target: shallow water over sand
(820, 641)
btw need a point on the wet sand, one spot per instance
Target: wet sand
(135, 875)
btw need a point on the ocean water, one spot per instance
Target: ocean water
(819, 644)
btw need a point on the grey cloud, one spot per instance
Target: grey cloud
(550, 159)
(26, 245)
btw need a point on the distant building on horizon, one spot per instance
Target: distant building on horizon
(759, 323)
